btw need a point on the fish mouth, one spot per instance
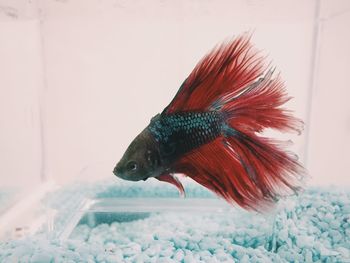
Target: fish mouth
(117, 171)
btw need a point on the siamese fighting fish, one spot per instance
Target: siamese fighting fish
(211, 131)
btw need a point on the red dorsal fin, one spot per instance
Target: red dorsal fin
(229, 67)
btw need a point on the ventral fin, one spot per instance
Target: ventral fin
(171, 179)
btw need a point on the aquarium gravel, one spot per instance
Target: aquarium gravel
(311, 227)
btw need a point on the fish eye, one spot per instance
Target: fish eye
(131, 166)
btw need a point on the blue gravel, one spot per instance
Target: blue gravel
(311, 227)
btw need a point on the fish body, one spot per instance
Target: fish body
(210, 131)
(179, 133)
(170, 136)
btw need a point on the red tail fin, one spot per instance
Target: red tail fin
(257, 107)
(239, 165)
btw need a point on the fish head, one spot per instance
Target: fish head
(141, 160)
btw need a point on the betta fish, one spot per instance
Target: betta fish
(211, 131)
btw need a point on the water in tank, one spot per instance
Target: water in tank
(81, 79)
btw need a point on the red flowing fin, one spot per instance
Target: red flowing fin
(214, 168)
(169, 178)
(258, 107)
(239, 165)
(229, 67)
(252, 173)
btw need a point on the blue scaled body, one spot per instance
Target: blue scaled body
(181, 132)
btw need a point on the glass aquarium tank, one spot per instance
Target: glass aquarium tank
(80, 79)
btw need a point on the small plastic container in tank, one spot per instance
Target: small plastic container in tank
(93, 213)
